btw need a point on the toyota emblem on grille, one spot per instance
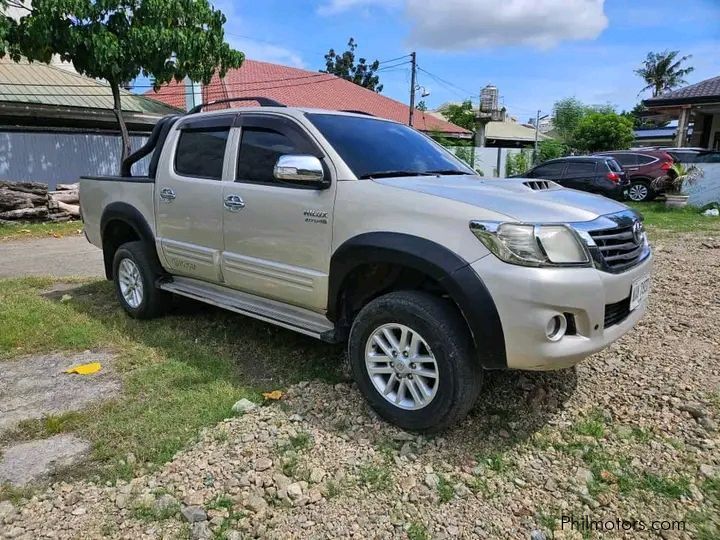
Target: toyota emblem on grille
(637, 232)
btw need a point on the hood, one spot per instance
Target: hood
(522, 199)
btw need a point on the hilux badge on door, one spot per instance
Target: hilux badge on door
(316, 216)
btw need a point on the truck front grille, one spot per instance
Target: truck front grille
(617, 312)
(620, 247)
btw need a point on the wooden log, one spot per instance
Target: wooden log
(10, 199)
(68, 187)
(37, 213)
(70, 197)
(36, 188)
(72, 209)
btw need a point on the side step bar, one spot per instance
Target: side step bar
(291, 317)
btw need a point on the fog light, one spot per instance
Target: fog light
(556, 328)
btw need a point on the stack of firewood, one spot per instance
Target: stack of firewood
(31, 201)
(64, 203)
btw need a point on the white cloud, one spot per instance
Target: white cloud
(333, 7)
(470, 24)
(264, 51)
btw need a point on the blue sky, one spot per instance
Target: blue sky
(535, 51)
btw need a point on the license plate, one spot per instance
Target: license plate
(639, 292)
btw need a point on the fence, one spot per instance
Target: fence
(61, 157)
(491, 162)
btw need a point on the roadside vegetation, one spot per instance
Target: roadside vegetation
(17, 231)
(661, 220)
(179, 373)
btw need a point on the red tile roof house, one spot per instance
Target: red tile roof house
(300, 88)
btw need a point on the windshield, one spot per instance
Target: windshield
(375, 148)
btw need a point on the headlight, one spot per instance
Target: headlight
(532, 245)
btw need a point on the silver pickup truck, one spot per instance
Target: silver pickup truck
(347, 227)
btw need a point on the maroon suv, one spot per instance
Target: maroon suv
(642, 167)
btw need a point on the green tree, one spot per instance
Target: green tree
(662, 72)
(421, 106)
(598, 131)
(117, 40)
(461, 115)
(567, 114)
(551, 149)
(641, 122)
(344, 66)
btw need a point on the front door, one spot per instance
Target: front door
(277, 235)
(188, 198)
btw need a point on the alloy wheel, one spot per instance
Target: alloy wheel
(130, 281)
(638, 192)
(401, 366)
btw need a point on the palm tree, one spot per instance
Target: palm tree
(662, 72)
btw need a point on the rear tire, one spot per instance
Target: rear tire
(640, 191)
(134, 274)
(418, 341)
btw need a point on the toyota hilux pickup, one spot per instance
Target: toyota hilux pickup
(351, 228)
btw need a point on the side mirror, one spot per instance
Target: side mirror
(302, 169)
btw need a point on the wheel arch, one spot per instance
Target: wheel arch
(121, 223)
(451, 272)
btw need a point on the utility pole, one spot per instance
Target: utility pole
(537, 129)
(413, 76)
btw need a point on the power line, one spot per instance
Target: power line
(445, 82)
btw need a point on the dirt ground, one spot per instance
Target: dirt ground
(55, 257)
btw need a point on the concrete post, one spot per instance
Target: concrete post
(683, 120)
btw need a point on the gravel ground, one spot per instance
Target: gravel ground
(630, 434)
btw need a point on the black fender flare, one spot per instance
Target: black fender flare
(131, 216)
(453, 273)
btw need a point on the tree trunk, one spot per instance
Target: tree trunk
(121, 121)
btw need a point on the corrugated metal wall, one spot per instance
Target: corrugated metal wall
(52, 158)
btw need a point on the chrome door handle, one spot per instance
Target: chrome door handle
(234, 203)
(167, 194)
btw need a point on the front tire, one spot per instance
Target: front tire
(411, 355)
(134, 275)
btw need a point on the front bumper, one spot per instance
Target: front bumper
(526, 299)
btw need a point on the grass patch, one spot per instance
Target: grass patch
(375, 477)
(445, 490)
(670, 488)
(591, 426)
(418, 531)
(494, 461)
(660, 219)
(14, 494)
(180, 373)
(16, 231)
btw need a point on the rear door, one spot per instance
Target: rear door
(277, 235)
(550, 171)
(188, 200)
(579, 174)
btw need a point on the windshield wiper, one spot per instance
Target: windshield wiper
(448, 172)
(390, 174)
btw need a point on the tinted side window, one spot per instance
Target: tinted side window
(613, 165)
(580, 168)
(551, 170)
(260, 149)
(625, 159)
(200, 153)
(644, 160)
